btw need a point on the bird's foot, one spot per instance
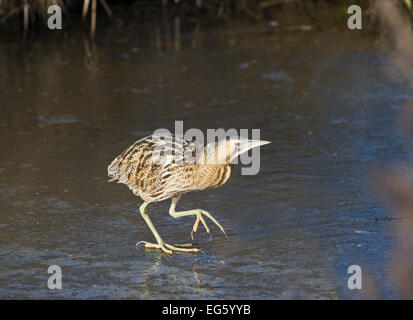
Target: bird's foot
(170, 249)
(200, 218)
(150, 245)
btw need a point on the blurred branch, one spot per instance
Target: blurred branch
(397, 189)
(270, 3)
(11, 13)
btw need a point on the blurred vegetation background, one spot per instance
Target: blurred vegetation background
(23, 17)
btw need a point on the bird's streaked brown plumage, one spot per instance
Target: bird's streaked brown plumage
(153, 180)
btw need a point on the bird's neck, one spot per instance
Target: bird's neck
(215, 154)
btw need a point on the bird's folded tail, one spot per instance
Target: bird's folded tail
(113, 170)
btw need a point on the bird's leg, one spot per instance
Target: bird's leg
(160, 243)
(167, 248)
(199, 217)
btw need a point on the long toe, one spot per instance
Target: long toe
(181, 248)
(187, 245)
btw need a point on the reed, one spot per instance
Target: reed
(35, 11)
(31, 13)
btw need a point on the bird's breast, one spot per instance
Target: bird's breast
(218, 176)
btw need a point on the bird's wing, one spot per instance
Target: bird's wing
(154, 152)
(174, 149)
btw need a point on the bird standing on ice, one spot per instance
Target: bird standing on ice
(159, 167)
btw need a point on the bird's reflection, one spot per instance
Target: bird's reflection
(167, 272)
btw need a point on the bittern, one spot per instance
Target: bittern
(157, 168)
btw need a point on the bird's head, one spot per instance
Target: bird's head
(228, 149)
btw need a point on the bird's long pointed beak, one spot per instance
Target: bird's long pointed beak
(246, 145)
(257, 143)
